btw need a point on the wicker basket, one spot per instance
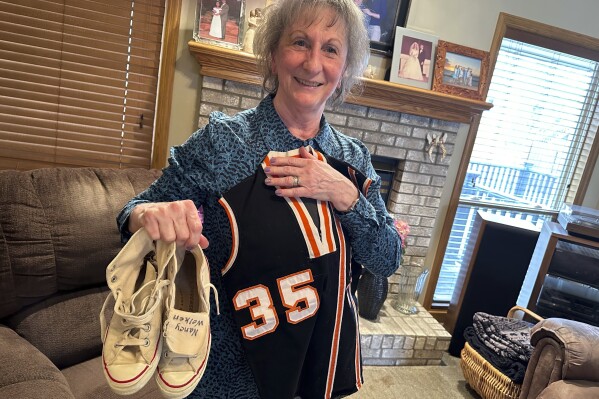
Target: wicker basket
(485, 379)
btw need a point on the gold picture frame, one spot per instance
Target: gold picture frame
(461, 71)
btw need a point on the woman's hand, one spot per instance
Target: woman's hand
(176, 221)
(308, 177)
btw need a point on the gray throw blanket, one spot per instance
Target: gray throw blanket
(513, 369)
(505, 336)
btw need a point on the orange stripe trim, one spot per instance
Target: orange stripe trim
(358, 364)
(366, 186)
(306, 225)
(339, 313)
(327, 225)
(352, 174)
(326, 214)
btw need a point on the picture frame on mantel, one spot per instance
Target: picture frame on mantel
(413, 58)
(381, 17)
(461, 71)
(220, 23)
(253, 18)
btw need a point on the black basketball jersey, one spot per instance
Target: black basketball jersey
(289, 278)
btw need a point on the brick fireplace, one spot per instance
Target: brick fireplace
(415, 193)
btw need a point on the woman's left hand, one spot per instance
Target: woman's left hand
(308, 177)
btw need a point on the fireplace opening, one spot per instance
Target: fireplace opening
(386, 168)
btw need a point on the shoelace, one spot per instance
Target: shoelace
(206, 300)
(136, 323)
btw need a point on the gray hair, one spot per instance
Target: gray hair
(283, 13)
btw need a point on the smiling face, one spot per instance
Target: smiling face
(309, 61)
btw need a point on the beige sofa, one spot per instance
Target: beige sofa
(57, 235)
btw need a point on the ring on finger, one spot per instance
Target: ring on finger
(296, 181)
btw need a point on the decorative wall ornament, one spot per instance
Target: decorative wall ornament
(437, 142)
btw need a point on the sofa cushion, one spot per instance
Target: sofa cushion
(65, 328)
(58, 229)
(28, 374)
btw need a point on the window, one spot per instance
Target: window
(78, 82)
(532, 146)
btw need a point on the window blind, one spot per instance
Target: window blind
(78, 82)
(539, 131)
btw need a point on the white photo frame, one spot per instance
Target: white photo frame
(413, 61)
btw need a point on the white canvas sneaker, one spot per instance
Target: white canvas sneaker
(186, 327)
(132, 343)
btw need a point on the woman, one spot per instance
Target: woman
(411, 68)
(215, 24)
(288, 321)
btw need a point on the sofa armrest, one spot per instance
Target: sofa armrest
(575, 389)
(26, 373)
(580, 343)
(544, 368)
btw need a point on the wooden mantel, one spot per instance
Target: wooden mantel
(223, 63)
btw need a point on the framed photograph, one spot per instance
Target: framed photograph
(381, 17)
(413, 55)
(220, 22)
(253, 18)
(460, 70)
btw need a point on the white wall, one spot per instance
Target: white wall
(591, 199)
(184, 110)
(472, 22)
